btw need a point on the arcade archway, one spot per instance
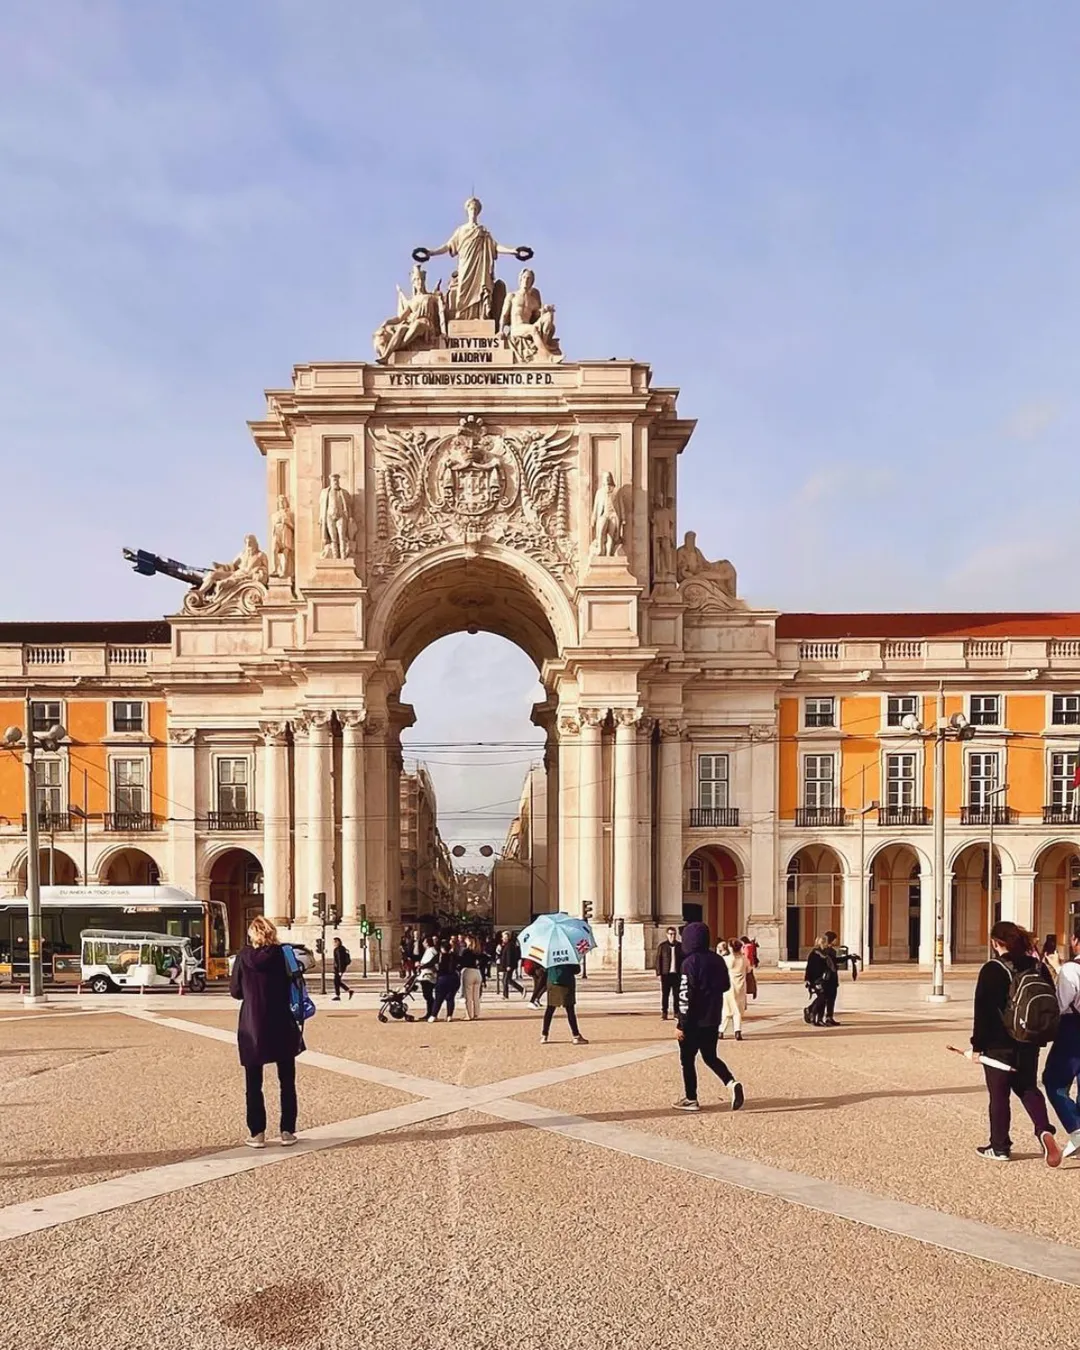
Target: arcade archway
(895, 904)
(712, 891)
(55, 868)
(236, 877)
(1057, 891)
(129, 867)
(815, 898)
(971, 917)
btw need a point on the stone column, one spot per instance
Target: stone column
(353, 816)
(591, 810)
(375, 730)
(765, 889)
(1018, 897)
(180, 764)
(569, 889)
(671, 823)
(275, 802)
(628, 903)
(318, 871)
(552, 900)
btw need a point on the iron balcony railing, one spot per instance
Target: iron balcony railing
(233, 820)
(713, 817)
(58, 822)
(129, 822)
(807, 816)
(985, 815)
(1061, 815)
(903, 815)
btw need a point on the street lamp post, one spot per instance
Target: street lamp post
(26, 739)
(864, 905)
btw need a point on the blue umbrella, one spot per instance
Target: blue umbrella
(556, 940)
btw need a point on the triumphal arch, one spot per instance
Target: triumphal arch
(476, 476)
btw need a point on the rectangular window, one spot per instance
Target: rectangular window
(899, 782)
(694, 877)
(712, 780)
(818, 780)
(1062, 769)
(44, 715)
(982, 779)
(50, 787)
(820, 712)
(900, 706)
(985, 710)
(127, 716)
(232, 786)
(1066, 710)
(129, 785)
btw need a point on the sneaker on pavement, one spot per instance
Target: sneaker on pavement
(1072, 1145)
(256, 1141)
(738, 1096)
(534, 1003)
(988, 1151)
(580, 1040)
(287, 1138)
(1051, 1148)
(351, 993)
(336, 998)
(687, 1104)
(543, 1040)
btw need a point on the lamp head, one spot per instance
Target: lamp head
(910, 722)
(12, 737)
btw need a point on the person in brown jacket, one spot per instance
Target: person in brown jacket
(669, 956)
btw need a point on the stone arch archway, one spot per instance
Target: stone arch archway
(896, 900)
(712, 890)
(236, 878)
(1057, 890)
(128, 866)
(815, 899)
(55, 868)
(970, 901)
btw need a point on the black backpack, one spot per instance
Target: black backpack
(1031, 1014)
(345, 957)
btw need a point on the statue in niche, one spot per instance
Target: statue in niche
(336, 520)
(282, 539)
(419, 320)
(529, 323)
(233, 587)
(606, 518)
(705, 584)
(474, 292)
(663, 537)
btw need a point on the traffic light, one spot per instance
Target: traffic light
(320, 946)
(318, 908)
(588, 908)
(333, 917)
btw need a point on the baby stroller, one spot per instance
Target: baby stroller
(394, 1003)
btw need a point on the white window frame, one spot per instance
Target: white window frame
(830, 778)
(913, 779)
(216, 762)
(830, 699)
(972, 714)
(130, 703)
(114, 762)
(1073, 714)
(716, 785)
(693, 865)
(970, 780)
(913, 711)
(1069, 758)
(42, 762)
(47, 702)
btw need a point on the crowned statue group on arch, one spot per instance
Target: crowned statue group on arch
(522, 322)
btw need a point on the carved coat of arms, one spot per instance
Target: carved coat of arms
(472, 484)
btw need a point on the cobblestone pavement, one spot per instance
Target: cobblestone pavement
(465, 1186)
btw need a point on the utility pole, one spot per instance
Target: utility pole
(33, 874)
(937, 993)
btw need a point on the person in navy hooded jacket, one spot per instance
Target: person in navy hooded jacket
(703, 982)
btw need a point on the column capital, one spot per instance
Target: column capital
(626, 718)
(353, 719)
(569, 724)
(762, 731)
(592, 717)
(672, 728)
(274, 733)
(646, 727)
(182, 735)
(374, 726)
(311, 722)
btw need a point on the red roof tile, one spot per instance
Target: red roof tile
(1023, 625)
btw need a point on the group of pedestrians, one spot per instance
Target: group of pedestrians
(1023, 999)
(449, 965)
(740, 956)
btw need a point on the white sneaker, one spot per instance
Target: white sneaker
(431, 1019)
(1072, 1144)
(287, 1138)
(543, 1040)
(256, 1141)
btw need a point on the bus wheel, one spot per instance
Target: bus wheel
(197, 984)
(101, 984)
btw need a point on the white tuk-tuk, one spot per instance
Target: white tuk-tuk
(114, 960)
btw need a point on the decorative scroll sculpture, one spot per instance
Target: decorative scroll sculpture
(704, 584)
(607, 522)
(473, 293)
(472, 484)
(237, 587)
(419, 322)
(529, 323)
(282, 539)
(336, 520)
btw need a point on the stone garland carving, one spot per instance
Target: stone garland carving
(703, 584)
(569, 724)
(182, 735)
(470, 485)
(237, 587)
(282, 540)
(337, 524)
(762, 731)
(607, 521)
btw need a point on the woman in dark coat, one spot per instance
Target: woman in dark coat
(267, 1032)
(822, 981)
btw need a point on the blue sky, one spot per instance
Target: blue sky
(848, 231)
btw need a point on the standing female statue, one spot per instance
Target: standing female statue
(473, 294)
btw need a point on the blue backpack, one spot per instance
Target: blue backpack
(299, 999)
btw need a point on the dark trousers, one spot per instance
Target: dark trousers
(571, 1017)
(428, 991)
(339, 984)
(831, 990)
(1000, 1085)
(508, 980)
(539, 985)
(1062, 1070)
(669, 993)
(446, 987)
(701, 1041)
(256, 1104)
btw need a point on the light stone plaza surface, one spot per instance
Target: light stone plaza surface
(534, 1195)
